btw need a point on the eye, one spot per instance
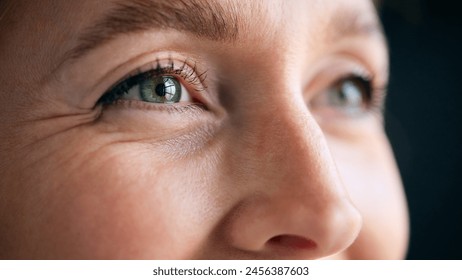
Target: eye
(161, 85)
(351, 96)
(148, 87)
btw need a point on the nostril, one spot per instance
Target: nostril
(293, 242)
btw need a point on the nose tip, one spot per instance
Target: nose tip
(337, 228)
(272, 229)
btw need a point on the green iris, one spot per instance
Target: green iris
(351, 94)
(161, 89)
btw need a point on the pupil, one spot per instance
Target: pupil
(160, 89)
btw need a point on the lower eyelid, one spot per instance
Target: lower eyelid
(181, 107)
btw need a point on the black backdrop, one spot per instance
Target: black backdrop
(424, 114)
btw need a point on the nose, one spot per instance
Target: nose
(295, 205)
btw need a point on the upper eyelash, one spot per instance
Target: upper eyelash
(378, 94)
(187, 73)
(378, 99)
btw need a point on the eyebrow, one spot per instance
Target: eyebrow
(202, 18)
(205, 19)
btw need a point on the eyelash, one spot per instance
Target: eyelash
(372, 95)
(375, 93)
(184, 72)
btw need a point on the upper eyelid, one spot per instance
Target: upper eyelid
(335, 67)
(186, 64)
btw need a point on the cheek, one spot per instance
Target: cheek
(370, 175)
(123, 201)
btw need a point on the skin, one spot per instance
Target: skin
(258, 174)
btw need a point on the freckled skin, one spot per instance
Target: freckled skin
(257, 174)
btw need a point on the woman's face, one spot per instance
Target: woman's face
(195, 129)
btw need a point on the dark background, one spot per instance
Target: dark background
(424, 114)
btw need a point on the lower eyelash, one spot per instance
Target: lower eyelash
(169, 108)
